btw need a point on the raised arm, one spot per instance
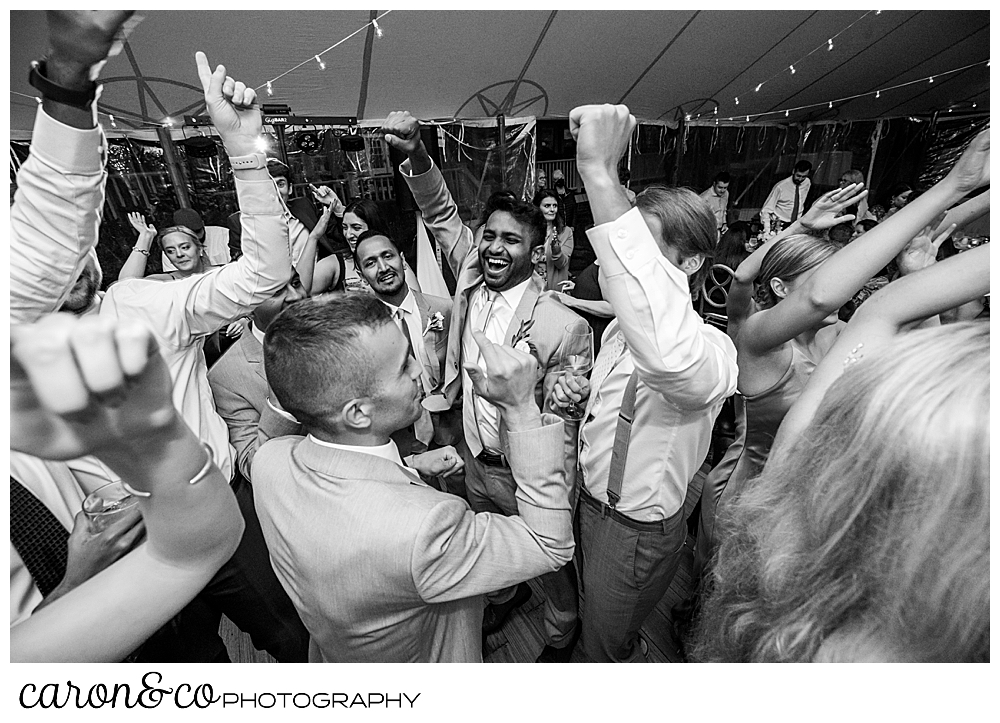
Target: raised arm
(890, 310)
(87, 386)
(836, 280)
(57, 209)
(503, 550)
(677, 355)
(135, 265)
(967, 212)
(822, 215)
(402, 131)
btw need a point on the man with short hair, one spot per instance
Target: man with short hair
(566, 197)
(787, 200)
(382, 567)
(424, 320)
(717, 197)
(657, 386)
(499, 294)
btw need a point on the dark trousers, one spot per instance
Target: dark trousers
(247, 591)
(626, 569)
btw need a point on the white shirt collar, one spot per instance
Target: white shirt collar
(257, 333)
(409, 304)
(387, 451)
(514, 294)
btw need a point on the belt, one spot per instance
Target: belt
(606, 511)
(492, 459)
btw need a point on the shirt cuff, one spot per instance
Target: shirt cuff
(626, 246)
(259, 197)
(73, 150)
(282, 412)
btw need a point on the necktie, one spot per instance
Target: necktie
(38, 537)
(423, 428)
(795, 208)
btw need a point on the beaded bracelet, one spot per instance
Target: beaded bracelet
(144, 252)
(202, 474)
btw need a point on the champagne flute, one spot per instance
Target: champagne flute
(577, 360)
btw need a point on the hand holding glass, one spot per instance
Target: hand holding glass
(577, 361)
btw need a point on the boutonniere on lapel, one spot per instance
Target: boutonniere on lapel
(522, 339)
(435, 324)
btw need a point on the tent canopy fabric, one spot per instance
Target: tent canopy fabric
(470, 64)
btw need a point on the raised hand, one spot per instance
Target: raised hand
(602, 134)
(327, 197)
(324, 220)
(922, 249)
(86, 385)
(80, 39)
(972, 170)
(824, 213)
(509, 379)
(138, 222)
(402, 131)
(234, 330)
(232, 107)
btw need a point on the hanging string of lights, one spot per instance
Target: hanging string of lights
(318, 57)
(831, 103)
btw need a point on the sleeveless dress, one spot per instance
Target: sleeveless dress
(763, 414)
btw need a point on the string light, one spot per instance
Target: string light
(322, 65)
(974, 105)
(878, 12)
(270, 88)
(737, 100)
(786, 114)
(831, 104)
(748, 119)
(792, 68)
(830, 44)
(931, 79)
(878, 93)
(262, 145)
(168, 122)
(378, 29)
(758, 87)
(112, 119)
(687, 117)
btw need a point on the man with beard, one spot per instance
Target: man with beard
(498, 294)
(424, 320)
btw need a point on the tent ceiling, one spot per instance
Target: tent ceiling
(443, 64)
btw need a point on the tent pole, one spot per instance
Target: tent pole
(502, 140)
(173, 167)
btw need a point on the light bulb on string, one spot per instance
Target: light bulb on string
(792, 68)
(270, 88)
(878, 93)
(716, 111)
(687, 117)
(112, 119)
(830, 105)
(931, 79)
(758, 87)
(322, 65)
(974, 105)
(737, 100)
(168, 122)
(786, 114)
(378, 30)
(748, 119)
(878, 12)
(829, 44)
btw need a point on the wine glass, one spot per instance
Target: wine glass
(577, 360)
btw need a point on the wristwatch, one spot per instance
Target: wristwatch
(248, 163)
(76, 98)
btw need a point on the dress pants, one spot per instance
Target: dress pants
(247, 591)
(491, 489)
(626, 569)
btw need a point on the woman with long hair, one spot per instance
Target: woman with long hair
(869, 539)
(783, 303)
(558, 240)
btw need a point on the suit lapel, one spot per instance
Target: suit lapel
(430, 361)
(253, 351)
(525, 309)
(469, 278)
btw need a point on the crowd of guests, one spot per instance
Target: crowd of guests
(373, 473)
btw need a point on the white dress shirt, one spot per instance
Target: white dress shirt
(686, 369)
(718, 204)
(181, 313)
(388, 451)
(495, 317)
(781, 200)
(413, 324)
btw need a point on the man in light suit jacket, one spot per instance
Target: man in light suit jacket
(497, 291)
(424, 320)
(380, 566)
(239, 384)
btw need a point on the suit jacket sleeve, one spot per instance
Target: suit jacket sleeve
(460, 554)
(440, 214)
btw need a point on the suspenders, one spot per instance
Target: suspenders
(622, 434)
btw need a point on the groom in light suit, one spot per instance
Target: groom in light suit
(498, 293)
(380, 566)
